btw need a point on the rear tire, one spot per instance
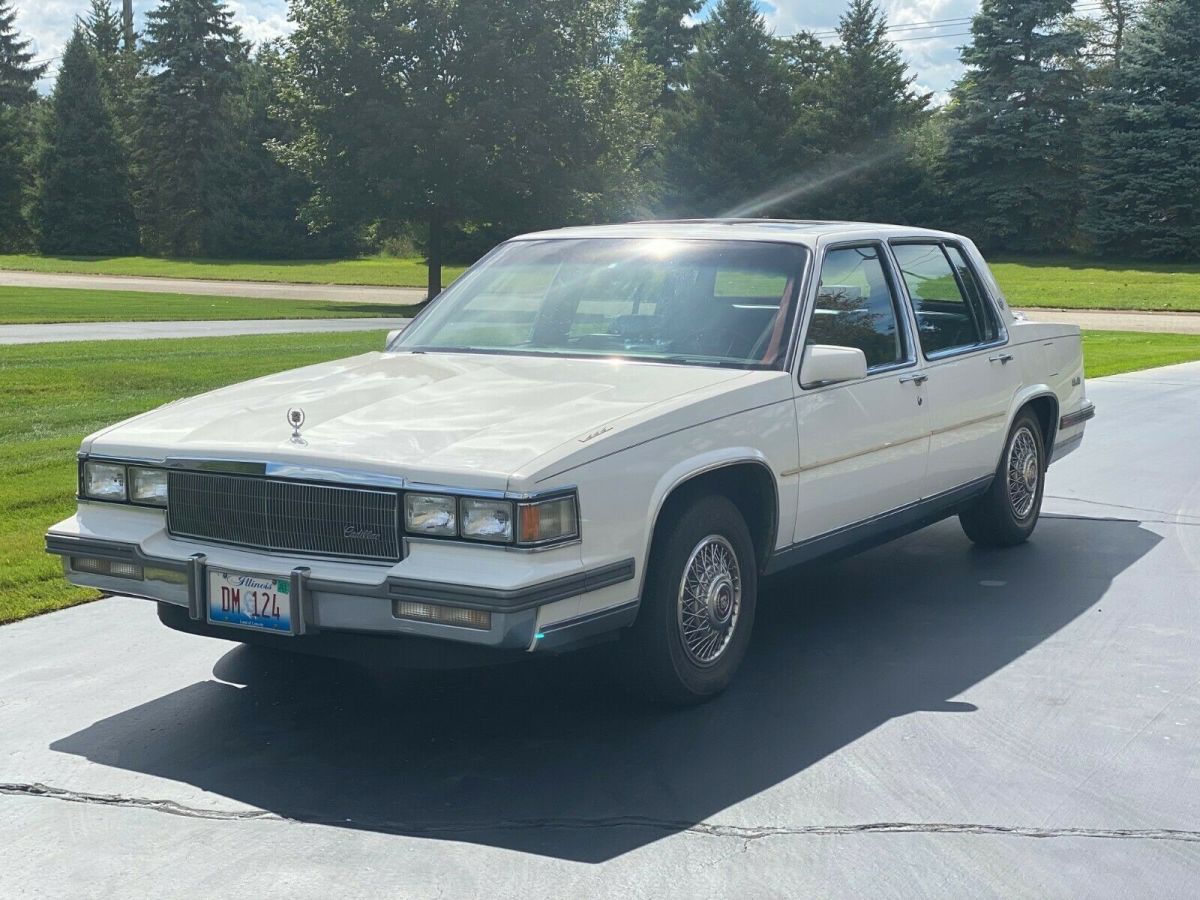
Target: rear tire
(697, 608)
(1007, 514)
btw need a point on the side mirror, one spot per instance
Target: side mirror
(829, 365)
(392, 335)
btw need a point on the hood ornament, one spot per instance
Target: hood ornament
(295, 418)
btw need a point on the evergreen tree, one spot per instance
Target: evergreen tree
(186, 136)
(855, 111)
(1144, 171)
(660, 30)
(102, 27)
(18, 74)
(728, 125)
(1014, 141)
(870, 93)
(118, 67)
(262, 219)
(83, 205)
(18, 77)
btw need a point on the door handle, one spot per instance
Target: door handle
(918, 378)
(1003, 358)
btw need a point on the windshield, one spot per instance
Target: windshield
(686, 301)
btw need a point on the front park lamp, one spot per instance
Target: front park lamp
(148, 485)
(548, 521)
(104, 481)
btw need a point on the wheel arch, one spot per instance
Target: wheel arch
(747, 481)
(1044, 404)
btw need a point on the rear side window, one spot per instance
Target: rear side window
(988, 323)
(946, 318)
(856, 307)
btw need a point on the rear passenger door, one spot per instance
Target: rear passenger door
(971, 382)
(862, 444)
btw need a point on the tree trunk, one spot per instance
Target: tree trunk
(434, 254)
(127, 25)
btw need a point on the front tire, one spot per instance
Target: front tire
(1007, 514)
(697, 609)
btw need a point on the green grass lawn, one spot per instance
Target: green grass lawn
(20, 305)
(1113, 352)
(1064, 283)
(375, 270)
(1077, 284)
(52, 395)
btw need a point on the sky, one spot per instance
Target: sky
(932, 52)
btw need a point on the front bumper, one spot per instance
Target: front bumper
(327, 605)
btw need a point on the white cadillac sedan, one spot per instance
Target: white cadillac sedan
(595, 434)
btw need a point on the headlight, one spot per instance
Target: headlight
(104, 481)
(486, 520)
(548, 520)
(431, 514)
(148, 485)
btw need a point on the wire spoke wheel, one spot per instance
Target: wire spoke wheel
(1024, 470)
(710, 600)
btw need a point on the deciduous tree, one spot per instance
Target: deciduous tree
(448, 111)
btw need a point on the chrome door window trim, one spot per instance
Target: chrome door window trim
(899, 304)
(986, 295)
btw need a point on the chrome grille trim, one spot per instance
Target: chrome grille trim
(284, 515)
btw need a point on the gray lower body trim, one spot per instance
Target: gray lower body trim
(571, 632)
(1062, 448)
(879, 529)
(1070, 420)
(501, 600)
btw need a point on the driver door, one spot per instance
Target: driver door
(863, 445)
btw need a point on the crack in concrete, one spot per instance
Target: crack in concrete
(707, 829)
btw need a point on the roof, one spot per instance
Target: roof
(790, 230)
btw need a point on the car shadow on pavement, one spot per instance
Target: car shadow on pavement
(547, 757)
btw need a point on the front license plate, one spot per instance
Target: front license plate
(260, 602)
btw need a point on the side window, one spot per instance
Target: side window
(856, 307)
(945, 320)
(985, 312)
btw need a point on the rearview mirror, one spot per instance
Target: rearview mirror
(829, 365)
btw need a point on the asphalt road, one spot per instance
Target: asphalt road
(125, 331)
(347, 293)
(926, 719)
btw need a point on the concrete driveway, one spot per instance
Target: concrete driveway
(923, 720)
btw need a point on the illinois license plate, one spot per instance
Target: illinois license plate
(261, 602)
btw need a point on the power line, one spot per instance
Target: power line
(1091, 6)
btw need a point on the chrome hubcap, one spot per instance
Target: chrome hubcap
(1024, 470)
(710, 600)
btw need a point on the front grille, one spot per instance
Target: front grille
(290, 516)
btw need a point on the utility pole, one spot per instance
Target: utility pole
(127, 21)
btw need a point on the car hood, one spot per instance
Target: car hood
(473, 418)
